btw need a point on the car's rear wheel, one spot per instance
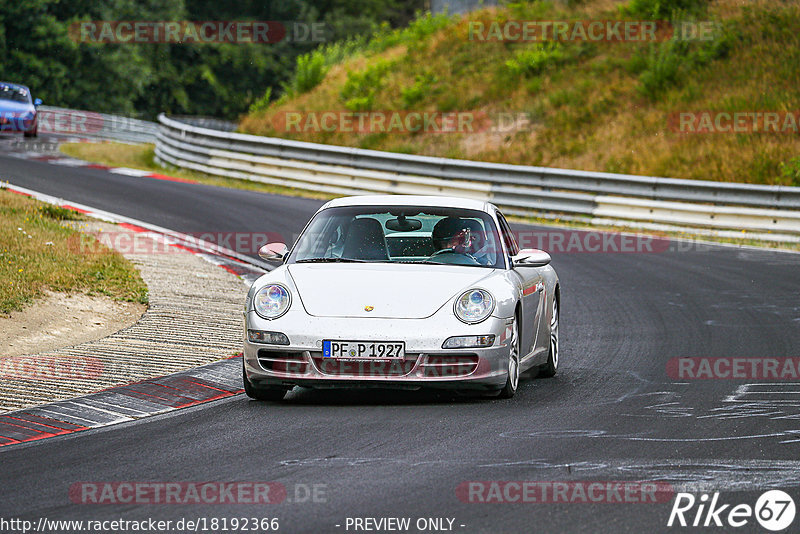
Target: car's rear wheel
(551, 367)
(32, 133)
(273, 394)
(512, 382)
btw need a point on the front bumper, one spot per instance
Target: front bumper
(425, 364)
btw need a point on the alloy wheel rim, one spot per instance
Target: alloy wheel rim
(513, 357)
(554, 334)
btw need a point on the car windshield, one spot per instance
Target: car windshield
(400, 234)
(14, 94)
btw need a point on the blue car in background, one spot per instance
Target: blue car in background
(17, 110)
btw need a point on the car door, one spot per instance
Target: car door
(532, 287)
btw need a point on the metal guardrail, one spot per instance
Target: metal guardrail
(518, 189)
(207, 122)
(92, 125)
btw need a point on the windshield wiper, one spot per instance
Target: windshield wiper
(429, 262)
(423, 262)
(330, 260)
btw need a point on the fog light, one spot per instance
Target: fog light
(270, 338)
(464, 342)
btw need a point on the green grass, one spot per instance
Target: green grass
(38, 252)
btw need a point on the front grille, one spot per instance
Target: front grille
(335, 367)
(291, 362)
(432, 366)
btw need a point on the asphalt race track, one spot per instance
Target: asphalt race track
(611, 414)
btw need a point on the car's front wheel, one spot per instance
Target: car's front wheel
(273, 394)
(512, 382)
(551, 367)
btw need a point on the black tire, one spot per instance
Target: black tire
(550, 368)
(32, 133)
(512, 382)
(271, 394)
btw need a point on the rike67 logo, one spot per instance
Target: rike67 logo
(774, 510)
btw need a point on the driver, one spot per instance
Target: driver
(453, 240)
(480, 246)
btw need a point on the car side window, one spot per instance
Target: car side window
(508, 236)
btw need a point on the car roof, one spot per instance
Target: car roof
(13, 85)
(410, 200)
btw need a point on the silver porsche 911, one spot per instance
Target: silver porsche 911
(401, 292)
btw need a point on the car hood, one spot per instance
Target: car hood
(397, 291)
(7, 106)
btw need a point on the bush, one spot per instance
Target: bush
(663, 9)
(533, 60)
(308, 73)
(262, 104)
(360, 88)
(662, 68)
(310, 69)
(665, 63)
(415, 33)
(413, 94)
(790, 170)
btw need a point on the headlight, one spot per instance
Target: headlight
(272, 301)
(474, 306)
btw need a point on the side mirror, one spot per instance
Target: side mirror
(531, 257)
(273, 251)
(37, 102)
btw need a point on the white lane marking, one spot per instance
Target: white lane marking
(561, 434)
(68, 162)
(689, 474)
(766, 393)
(130, 172)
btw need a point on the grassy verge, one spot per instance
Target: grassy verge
(143, 157)
(37, 252)
(589, 105)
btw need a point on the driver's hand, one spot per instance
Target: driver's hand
(461, 242)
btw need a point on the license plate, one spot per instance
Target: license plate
(365, 350)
